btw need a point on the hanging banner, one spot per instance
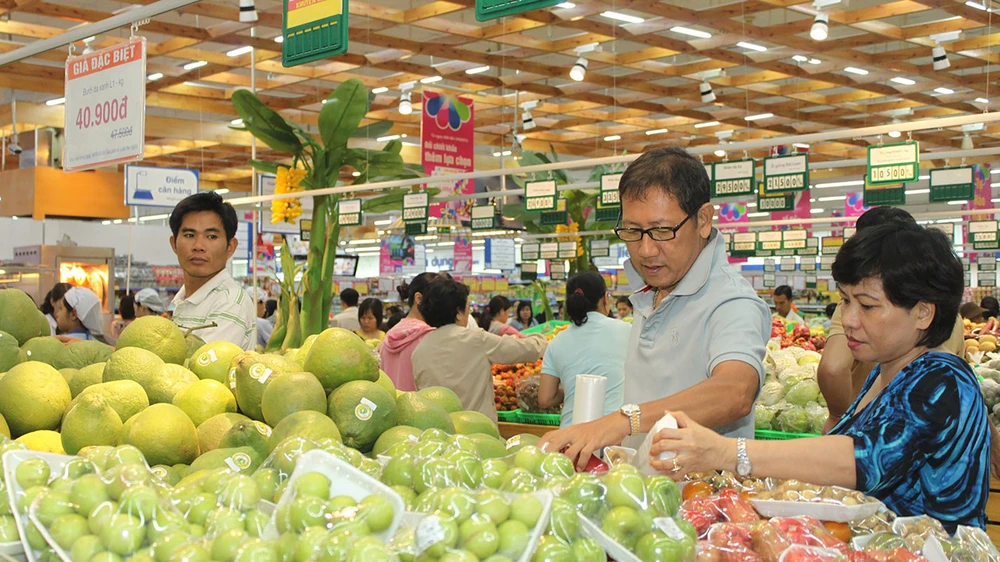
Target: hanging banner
(349, 212)
(483, 217)
(952, 184)
(105, 110)
(491, 9)
(540, 196)
(785, 173)
(609, 203)
(893, 163)
(731, 214)
(884, 194)
(313, 30)
(854, 205)
(397, 252)
(462, 256)
(447, 146)
(152, 186)
(732, 179)
(600, 249)
(530, 252)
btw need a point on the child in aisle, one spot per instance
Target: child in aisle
(370, 318)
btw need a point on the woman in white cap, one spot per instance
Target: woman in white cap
(78, 315)
(148, 303)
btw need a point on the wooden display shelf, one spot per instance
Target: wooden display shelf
(508, 430)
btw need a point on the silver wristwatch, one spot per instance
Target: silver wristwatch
(631, 411)
(743, 467)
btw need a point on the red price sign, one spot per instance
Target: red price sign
(102, 113)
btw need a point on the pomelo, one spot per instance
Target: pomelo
(4, 430)
(33, 396)
(170, 380)
(289, 393)
(194, 343)
(9, 352)
(488, 447)
(132, 364)
(442, 396)
(362, 410)
(157, 335)
(45, 349)
(385, 382)
(210, 432)
(393, 435)
(308, 424)
(78, 355)
(91, 421)
(248, 433)
(126, 397)
(20, 317)
(204, 399)
(212, 360)
(468, 422)
(43, 441)
(252, 372)
(339, 356)
(237, 459)
(85, 378)
(419, 412)
(164, 434)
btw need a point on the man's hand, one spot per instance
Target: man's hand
(579, 441)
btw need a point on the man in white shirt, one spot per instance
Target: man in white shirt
(204, 238)
(347, 318)
(783, 304)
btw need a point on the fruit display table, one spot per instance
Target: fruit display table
(508, 430)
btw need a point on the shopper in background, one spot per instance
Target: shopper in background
(593, 345)
(699, 328)
(204, 238)
(972, 312)
(126, 314)
(840, 375)
(782, 296)
(264, 326)
(148, 303)
(347, 318)
(459, 358)
(524, 317)
(78, 315)
(270, 307)
(400, 340)
(831, 309)
(494, 317)
(917, 436)
(48, 305)
(991, 306)
(370, 318)
(624, 307)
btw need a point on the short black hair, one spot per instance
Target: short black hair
(625, 301)
(408, 291)
(373, 305)
(270, 307)
(349, 297)
(205, 201)
(442, 300)
(126, 307)
(55, 295)
(497, 304)
(991, 305)
(521, 305)
(583, 292)
(914, 264)
(830, 309)
(885, 215)
(672, 170)
(783, 291)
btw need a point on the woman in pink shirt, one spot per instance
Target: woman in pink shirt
(494, 318)
(397, 347)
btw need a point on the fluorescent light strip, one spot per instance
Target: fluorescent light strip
(279, 39)
(57, 101)
(236, 122)
(239, 51)
(611, 138)
(566, 5)
(379, 90)
(944, 91)
(835, 198)
(800, 58)
(387, 138)
(360, 242)
(982, 100)
(751, 46)
(817, 211)
(383, 222)
(706, 124)
(155, 76)
(917, 191)
(431, 79)
(903, 81)
(957, 202)
(756, 215)
(478, 70)
(222, 191)
(852, 183)
(504, 153)
(815, 61)
(194, 65)
(758, 117)
(656, 132)
(154, 217)
(855, 70)
(976, 5)
(949, 220)
(692, 32)
(621, 17)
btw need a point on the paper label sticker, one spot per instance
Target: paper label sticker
(364, 410)
(260, 373)
(428, 533)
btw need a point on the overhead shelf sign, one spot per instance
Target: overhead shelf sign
(483, 217)
(786, 173)
(415, 206)
(540, 196)
(984, 235)
(313, 30)
(609, 204)
(349, 212)
(952, 184)
(492, 9)
(744, 244)
(730, 179)
(893, 163)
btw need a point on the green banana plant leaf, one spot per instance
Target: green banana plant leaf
(342, 113)
(265, 123)
(293, 333)
(373, 130)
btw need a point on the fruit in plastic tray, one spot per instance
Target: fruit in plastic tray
(773, 537)
(793, 490)
(505, 379)
(728, 506)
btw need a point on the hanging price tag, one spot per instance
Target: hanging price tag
(540, 196)
(483, 217)
(349, 212)
(787, 264)
(567, 250)
(733, 178)
(600, 249)
(893, 163)
(550, 250)
(557, 270)
(786, 173)
(529, 271)
(415, 206)
(529, 252)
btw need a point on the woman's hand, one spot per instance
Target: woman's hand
(698, 449)
(579, 441)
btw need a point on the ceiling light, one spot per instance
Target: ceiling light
(692, 32)
(957, 202)
(707, 94)
(758, 116)
(751, 46)
(895, 134)
(405, 107)
(383, 222)
(720, 153)
(566, 5)
(355, 173)
(248, 11)
(800, 58)
(57, 101)
(917, 191)
(820, 29)
(527, 121)
(222, 191)
(656, 132)
(194, 65)
(236, 122)
(815, 61)
(611, 138)
(967, 142)
(940, 58)
(982, 100)
(839, 184)
(105, 223)
(855, 70)
(756, 215)
(380, 90)
(155, 76)
(239, 51)
(431, 79)
(817, 211)
(579, 69)
(621, 17)
(903, 81)
(975, 5)
(944, 91)
(706, 124)
(834, 198)
(116, 221)
(387, 138)
(478, 70)
(801, 145)
(279, 39)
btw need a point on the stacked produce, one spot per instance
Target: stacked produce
(801, 335)
(505, 378)
(980, 340)
(790, 399)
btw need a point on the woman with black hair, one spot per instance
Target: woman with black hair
(126, 309)
(402, 338)
(458, 358)
(370, 318)
(494, 317)
(917, 437)
(524, 318)
(48, 305)
(991, 306)
(594, 345)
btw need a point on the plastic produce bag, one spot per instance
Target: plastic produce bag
(275, 471)
(9, 538)
(970, 544)
(916, 530)
(527, 397)
(726, 507)
(727, 542)
(773, 537)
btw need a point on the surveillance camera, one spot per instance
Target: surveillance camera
(14, 147)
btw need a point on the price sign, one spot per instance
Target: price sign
(947, 228)
(811, 249)
(529, 271)
(987, 263)
(567, 250)
(786, 173)
(966, 265)
(769, 266)
(826, 262)
(952, 184)
(787, 264)
(987, 278)
(775, 204)
(557, 270)
(832, 244)
(744, 244)
(893, 163)
(492, 9)
(807, 264)
(849, 231)
(983, 235)
(733, 178)
(769, 241)
(793, 239)
(415, 206)
(769, 280)
(609, 190)
(349, 212)
(483, 217)
(600, 249)
(529, 252)
(967, 279)
(550, 250)
(499, 254)
(105, 107)
(305, 230)
(540, 196)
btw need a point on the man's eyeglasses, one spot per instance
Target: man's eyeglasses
(658, 234)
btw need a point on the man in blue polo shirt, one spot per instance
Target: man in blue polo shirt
(699, 329)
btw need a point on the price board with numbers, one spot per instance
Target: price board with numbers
(530, 252)
(984, 235)
(966, 264)
(567, 250)
(349, 212)
(491, 9)
(794, 239)
(609, 203)
(529, 271)
(952, 184)
(415, 206)
(483, 217)
(770, 266)
(540, 196)
(786, 173)
(769, 280)
(744, 244)
(786, 264)
(769, 240)
(600, 249)
(557, 270)
(550, 250)
(811, 249)
(832, 244)
(807, 264)
(826, 262)
(893, 163)
(987, 278)
(730, 179)
(987, 262)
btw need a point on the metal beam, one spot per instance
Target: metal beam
(78, 34)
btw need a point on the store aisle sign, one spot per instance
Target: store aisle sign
(600, 249)
(150, 186)
(786, 173)
(540, 196)
(731, 179)
(893, 163)
(499, 254)
(530, 252)
(105, 109)
(952, 184)
(349, 212)
(983, 235)
(483, 217)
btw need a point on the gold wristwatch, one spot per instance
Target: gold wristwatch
(631, 411)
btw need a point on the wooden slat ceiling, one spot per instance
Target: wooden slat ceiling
(643, 77)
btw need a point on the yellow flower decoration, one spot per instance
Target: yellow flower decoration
(288, 180)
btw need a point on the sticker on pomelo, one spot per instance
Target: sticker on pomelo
(207, 358)
(239, 462)
(365, 409)
(232, 378)
(260, 373)
(262, 429)
(159, 471)
(428, 533)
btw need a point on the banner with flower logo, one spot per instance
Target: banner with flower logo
(854, 205)
(447, 146)
(731, 214)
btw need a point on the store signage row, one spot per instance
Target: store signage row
(105, 109)
(150, 186)
(779, 243)
(313, 30)
(530, 252)
(349, 212)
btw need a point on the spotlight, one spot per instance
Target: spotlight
(967, 142)
(527, 120)
(579, 69)
(405, 107)
(820, 27)
(248, 11)
(940, 57)
(707, 95)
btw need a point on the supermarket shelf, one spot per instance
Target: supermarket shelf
(508, 430)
